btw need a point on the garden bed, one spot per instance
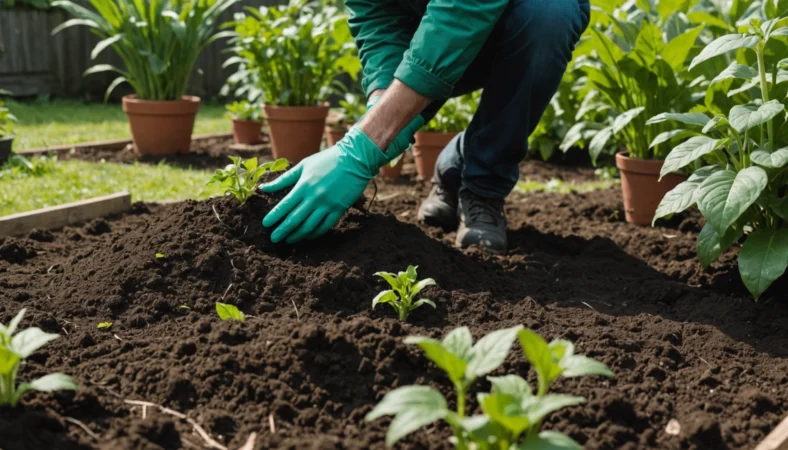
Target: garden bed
(313, 358)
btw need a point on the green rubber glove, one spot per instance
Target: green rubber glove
(328, 183)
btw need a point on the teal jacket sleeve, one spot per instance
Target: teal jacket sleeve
(448, 39)
(382, 30)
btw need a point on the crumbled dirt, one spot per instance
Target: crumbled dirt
(312, 358)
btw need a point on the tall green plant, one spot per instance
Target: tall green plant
(7, 120)
(740, 181)
(297, 51)
(158, 40)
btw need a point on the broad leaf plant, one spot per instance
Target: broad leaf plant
(240, 178)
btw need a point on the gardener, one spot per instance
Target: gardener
(416, 54)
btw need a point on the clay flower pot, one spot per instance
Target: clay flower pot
(641, 187)
(161, 127)
(5, 148)
(334, 135)
(296, 131)
(247, 131)
(392, 173)
(428, 146)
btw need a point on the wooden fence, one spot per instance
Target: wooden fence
(32, 62)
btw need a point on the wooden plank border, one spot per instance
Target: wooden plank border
(108, 144)
(777, 439)
(63, 215)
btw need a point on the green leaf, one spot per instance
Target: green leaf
(736, 70)
(579, 365)
(160, 255)
(421, 285)
(391, 279)
(104, 325)
(28, 341)
(774, 160)
(625, 118)
(384, 297)
(74, 22)
(668, 135)
(454, 365)
(539, 355)
(491, 351)
(780, 206)
(691, 118)
(710, 246)
(763, 259)
(8, 360)
(682, 196)
(459, 342)
(411, 271)
(279, 165)
(724, 45)
(707, 19)
(513, 385)
(425, 301)
(414, 407)
(550, 440)
(678, 49)
(98, 68)
(538, 408)
(742, 118)
(54, 382)
(505, 410)
(599, 141)
(103, 44)
(716, 123)
(725, 195)
(14, 324)
(115, 83)
(688, 152)
(229, 312)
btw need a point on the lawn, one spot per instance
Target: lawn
(77, 180)
(45, 123)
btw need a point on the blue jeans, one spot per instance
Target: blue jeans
(519, 68)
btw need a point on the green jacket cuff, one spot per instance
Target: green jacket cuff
(376, 81)
(422, 80)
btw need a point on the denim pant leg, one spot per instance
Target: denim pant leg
(519, 68)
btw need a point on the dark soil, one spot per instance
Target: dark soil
(312, 358)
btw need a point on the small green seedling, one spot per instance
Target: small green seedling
(105, 325)
(160, 256)
(184, 308)
(13, 350)
(404, 288)
(229, 312)
(240, 178)
(512, 414)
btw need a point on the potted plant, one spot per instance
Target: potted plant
(7, 121)
(350, 111)
(159, 43)
(637, 70)
(247, 122)
(451, 119)
(739, 158)
(298, 51)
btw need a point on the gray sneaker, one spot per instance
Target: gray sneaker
(482, 223)
(439, 208)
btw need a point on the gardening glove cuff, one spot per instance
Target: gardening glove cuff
(404, 139)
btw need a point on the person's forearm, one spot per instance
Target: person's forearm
(395, 110)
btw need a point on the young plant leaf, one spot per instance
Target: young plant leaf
(550, 440)
(625, 118)
(229, 312)
(27, 341)
(160, 255)
(599, 141)
(413, 408)
(537, 408)
(773, 160)
(691, 118)
(716, 123)
(725, 195)
(579, 366)
(104, 325)
(384, 297)
(14, 324)
(459, 342)
(743, 118)
(491, 351)
(425, 301)
(54, 382)
(668, 135)
(683, 196)
(506, 411)
(539, 355)
(454, 365)
(689, 151)
(763, 259)
(736, 70)
(724, 45)
(710, 246)
(513, 385)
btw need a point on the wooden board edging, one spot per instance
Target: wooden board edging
(107, 144)
(63, 215)
(777, 439)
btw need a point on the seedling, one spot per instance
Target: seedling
(160, 256)
(240, 178)
(13, 350)
(105, 325)
(512, 413)
(404, 289)
(229, 312)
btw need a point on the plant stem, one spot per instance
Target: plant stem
(765, 90)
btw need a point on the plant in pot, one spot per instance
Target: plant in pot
(739, 160)
(159, 42)
(451, 119)
(247, 122)
(636, 72)
(351, 108)
(7, 121)
(298, 50)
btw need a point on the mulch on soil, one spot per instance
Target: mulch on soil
(312, 359)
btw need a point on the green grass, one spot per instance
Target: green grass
(561, 187)
(46, 123)
(78, 180)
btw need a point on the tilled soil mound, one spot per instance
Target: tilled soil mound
(312, 358)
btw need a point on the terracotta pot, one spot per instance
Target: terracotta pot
(161, 127)
(428, 146)
(247, 131)
(392, 173)
(5, 148)
(296, 131)
(641, 187)
(334, 135)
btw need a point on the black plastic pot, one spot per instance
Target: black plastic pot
(5, 148)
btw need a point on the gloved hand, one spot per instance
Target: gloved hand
(328, 183)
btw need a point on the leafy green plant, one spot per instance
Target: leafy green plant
(240, 178)
(351, 108)
(158, 41)
(455, 115)
(512, 413)
(104, 325)
(243, 110)
(14, 348)
(229, 312)
(405, 286)
(739, 161)
(19, 166)
(7, 120)
(297, 51)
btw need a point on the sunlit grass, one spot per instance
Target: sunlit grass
(46, 123)
(78, 180)
(561, 187)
